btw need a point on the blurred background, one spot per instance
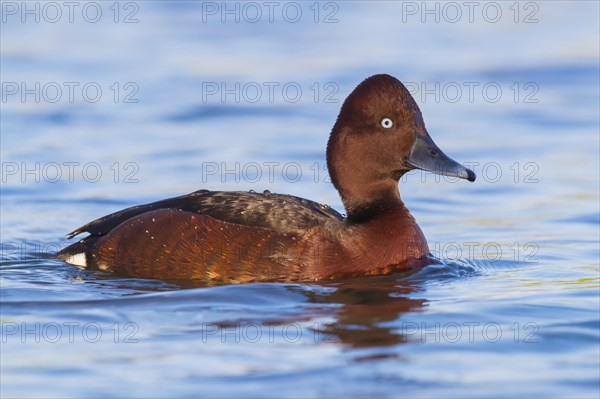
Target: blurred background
(110, 104)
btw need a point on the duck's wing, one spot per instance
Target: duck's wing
(279, 212)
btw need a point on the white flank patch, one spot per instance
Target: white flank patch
(77, 260)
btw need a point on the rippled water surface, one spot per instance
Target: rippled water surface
(183, 97)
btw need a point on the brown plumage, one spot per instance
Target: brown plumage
(245, 236)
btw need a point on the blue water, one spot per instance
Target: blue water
(181, 96)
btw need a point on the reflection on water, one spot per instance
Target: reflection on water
(354, 313)
(365, 304)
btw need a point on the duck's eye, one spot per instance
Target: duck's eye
(387, 123)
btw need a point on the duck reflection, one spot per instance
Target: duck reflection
(369, 306)
(358, 313)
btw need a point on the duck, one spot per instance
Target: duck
(234, 237)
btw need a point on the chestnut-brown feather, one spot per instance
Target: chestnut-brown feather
(240, 237)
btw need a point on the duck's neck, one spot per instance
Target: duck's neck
(381, 235)
(366, 188)
(367, 202)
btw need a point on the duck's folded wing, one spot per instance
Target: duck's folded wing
(279, 212)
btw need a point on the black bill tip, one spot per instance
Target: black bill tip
(471, 175)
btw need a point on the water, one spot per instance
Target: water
(509, 309)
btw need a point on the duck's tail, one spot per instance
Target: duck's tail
(77, 253)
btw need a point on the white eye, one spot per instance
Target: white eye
(387, 123)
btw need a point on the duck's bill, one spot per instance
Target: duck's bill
(426, 155)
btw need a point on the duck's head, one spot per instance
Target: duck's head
(380, 135)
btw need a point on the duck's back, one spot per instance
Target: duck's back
(278, 212)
